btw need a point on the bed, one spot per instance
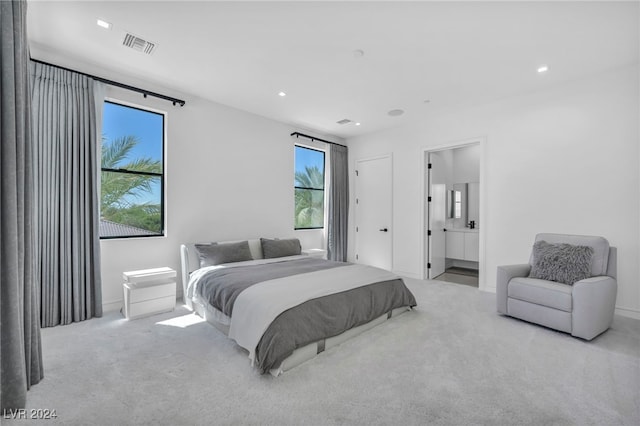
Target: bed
(282, 306)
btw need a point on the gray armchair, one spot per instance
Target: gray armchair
(584, 309)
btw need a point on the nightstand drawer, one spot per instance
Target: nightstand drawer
(139, 293)
(149, 307)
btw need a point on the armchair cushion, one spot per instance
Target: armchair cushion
(563, 263)
(541, 292)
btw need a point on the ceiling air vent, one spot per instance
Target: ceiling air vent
(344, 121)
(139, 44)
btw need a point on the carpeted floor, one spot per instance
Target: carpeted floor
(451, 361)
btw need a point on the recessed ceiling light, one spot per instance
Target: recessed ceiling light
(543, 68)
(395, 112)
(104, 24)
(357, 124)
(282, 94)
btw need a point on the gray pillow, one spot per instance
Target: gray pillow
(563, 263)
(216, 254)
(280, 248)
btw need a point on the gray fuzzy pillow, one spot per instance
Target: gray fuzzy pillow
(216, 254)
(563, 263)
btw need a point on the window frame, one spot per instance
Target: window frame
(162, 175)
(324, 184)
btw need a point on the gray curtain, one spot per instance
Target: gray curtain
(66, 182)
(20, 349)
(337, 224)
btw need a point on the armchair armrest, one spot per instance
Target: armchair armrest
(594, 302)
(505, 274)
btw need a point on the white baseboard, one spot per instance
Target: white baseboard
(407, 274)
(115, 305)
(628, 312)
(486, 288)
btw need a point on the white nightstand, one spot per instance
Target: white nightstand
(315, 252)
(149, 292)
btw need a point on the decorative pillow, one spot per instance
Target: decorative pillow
(280, 248)
(563, 263)
(216, 254)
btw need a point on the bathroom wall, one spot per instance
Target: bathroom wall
(465, 168)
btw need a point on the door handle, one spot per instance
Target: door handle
(384, 230)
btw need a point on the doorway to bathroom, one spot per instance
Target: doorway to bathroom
(452, 213)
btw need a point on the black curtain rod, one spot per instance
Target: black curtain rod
(313, 138)
(145, 93)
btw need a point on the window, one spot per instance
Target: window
(132, 179)
(309, 188)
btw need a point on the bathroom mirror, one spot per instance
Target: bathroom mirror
(457, 202)
(463, 204)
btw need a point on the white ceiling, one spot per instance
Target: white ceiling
(242, 54)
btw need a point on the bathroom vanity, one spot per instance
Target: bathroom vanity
(463, 244)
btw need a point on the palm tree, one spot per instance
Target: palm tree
(309, 198)
(119, 191)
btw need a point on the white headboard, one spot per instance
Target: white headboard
(190, 261)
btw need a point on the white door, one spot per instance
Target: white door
(437, 211)
(373, 212)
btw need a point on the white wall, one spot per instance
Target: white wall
(229, 176)
(466, 169)
(466, 164)
(563, 160)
